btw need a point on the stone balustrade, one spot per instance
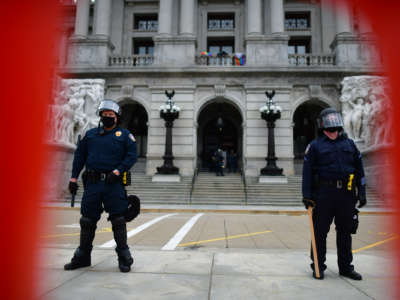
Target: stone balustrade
(131, 61)
(312, 59)
(221, 60)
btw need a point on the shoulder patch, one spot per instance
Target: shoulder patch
(308, 148)
(132, 137)
(118, 133)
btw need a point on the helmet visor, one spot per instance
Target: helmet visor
(332, 120)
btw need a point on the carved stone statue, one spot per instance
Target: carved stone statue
(366, 110)
(74, 111)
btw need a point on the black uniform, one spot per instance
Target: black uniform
(328, 165)
(102, 152)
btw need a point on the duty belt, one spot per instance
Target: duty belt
(339, 184)
(94, 176)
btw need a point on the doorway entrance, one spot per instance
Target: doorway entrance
(135, 119)
(220, 126)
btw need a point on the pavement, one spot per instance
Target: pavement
(277, 271)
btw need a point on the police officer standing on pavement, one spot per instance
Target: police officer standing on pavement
(107, 152)
(333, 182)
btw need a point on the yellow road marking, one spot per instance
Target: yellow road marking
(224, 238)
(106, 229)
(375, 244)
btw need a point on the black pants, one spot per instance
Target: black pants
(338, 205)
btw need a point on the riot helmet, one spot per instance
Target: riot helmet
(109, 105)
(330, 119)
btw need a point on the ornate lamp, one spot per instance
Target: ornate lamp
(169, 112)
(270, 113)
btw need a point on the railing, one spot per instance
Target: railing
(312, 59)
(221, 60)
(131, 61)
(196, 172)
(244, 185)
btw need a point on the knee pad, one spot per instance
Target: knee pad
(118, 222)
(87, 223)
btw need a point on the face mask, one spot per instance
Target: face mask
(108, 121)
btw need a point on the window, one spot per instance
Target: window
(297, 21)
(221, 21)
(143, 46)
(145, 22)
(221, 46)
(299, 45)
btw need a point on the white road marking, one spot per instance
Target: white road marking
(138, 229)
(76, 225)
(178, 237)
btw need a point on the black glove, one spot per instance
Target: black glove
(362, 201)
(112, 178)
(73, 187)
(308, 202)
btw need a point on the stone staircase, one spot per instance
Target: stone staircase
(225, 190)
(288, 194)
(160, 192)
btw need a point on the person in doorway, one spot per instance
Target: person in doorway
(233, 161)
(220, 162)
(107, 152)
(333, 182)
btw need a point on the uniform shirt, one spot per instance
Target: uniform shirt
(332, 160)
(105, 151)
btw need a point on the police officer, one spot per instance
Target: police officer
(333, 182)
(107, 152)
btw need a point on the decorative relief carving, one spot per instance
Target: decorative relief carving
(74, 109)
(366, 110)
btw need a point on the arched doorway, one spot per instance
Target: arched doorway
(135, 119)
(219, 126)
(305, 126)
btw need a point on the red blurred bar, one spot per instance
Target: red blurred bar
(27, 54)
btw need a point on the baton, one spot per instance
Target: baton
(314, 246)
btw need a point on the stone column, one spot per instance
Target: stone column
(187, 17)
(102, 18)
(96, 50)
(266, 50)
(346, 45)
(343, 23)
(82, 18)
(165, 17)
(254, 17)
(175, 50)
(277, 16)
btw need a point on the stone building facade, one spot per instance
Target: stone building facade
(220, 56)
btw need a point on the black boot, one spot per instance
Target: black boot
(80, 259)
(351, 274)
(125, 259)
(81, 256)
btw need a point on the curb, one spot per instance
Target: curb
(239, 210)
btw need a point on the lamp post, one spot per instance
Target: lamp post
(270, 113)
(168, 112)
